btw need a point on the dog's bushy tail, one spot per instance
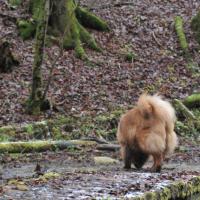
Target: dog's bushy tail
(155, 105)
(162, 110)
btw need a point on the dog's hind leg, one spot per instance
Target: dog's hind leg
(157, 165)
(127, 157)
(139, 158)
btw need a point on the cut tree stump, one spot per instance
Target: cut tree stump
(7, 60)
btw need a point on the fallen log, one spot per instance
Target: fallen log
(41, 145)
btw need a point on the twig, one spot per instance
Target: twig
(98, 140)
(11, 18)
(154, 37)
(5, 35)
(108, 5)
(108, 147)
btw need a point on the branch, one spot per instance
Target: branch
(108, 147)
(109, 5)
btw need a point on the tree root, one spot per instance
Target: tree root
(69, 26)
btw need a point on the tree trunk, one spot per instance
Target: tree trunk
(67, 21)
(35, 100)
(195, 25)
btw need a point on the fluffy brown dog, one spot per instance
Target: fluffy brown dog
(147, 129)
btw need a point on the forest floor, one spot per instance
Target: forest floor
(75, 175)
(144, 28)
(104, 83)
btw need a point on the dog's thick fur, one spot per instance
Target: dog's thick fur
(147, 129)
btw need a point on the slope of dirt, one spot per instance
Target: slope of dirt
(145, 28)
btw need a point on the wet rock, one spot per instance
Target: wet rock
(103, 160)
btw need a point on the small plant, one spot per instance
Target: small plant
(129, 56)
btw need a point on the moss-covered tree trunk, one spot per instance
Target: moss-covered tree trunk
(35, 100)
(67, 21)
(195, 24)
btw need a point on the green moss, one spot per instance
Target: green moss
(192, 101)
(29, 129)
(79, 51)
(26, 29)
(34, 146)
(165, 194)
(67, 24)
(4, 138)
(72, 39)
(70, 127)
(25, 147)
(64, 120)
(50, 175)
(182, 129)
(56, 133)
(15, 3)
(6, 129)
(195, 25)
(87, 38)
(177, 190)
(150, 196)
(35, 8)
(7, 133)
(90, 20)
(180, 33)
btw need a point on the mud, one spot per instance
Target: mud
(81, 178)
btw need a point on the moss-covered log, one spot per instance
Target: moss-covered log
(39, 146)
(192, 101)
(189, 124)
(35, 101)
(33, 146)
(67, 21)
(181, 35)
(195, 25)
(7, 60)
(178, 190)
(181, 109)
